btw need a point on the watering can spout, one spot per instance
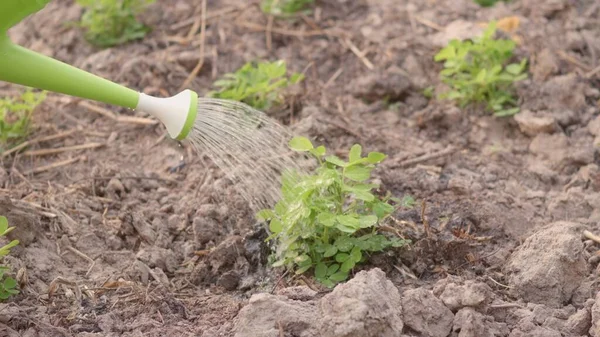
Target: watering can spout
(13, 11)
(22, 66)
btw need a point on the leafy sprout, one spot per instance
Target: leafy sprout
(7, 284)
(256, 84)
(329, 221)
(284, 8)
(15, 116)
(477, 72)
(113, 22)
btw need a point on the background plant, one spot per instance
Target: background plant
(7, 284)
(328, 221)
(256, 84)
(488, 3)
(112, 22)
(476, 72)
(284, 7)
(15, 116)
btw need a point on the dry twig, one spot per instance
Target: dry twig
(591, 236)
(52, 166)
(45, 152)
(200, 64)
(38, 140)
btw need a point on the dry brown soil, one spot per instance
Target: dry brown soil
(141, 236)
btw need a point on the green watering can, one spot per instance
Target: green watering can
(22, 66)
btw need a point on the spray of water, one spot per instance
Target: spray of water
(248, 146)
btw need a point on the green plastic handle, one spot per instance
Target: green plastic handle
(13, 11)
(22, 66)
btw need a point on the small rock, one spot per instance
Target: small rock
(553, 147)
(205, 229)
(300, 293)
(595, 329)
(109, 323)
(177, 222)
(389, 84)
(557, 248)
(160, 276)
(594, 126)
(143, 228)
(470, 323)
(470, 294)
(426, 314)
(158, 257)
(229, 280)
(545, 65)
(115, 188)
(578, 324)
(266, 314)
(535, 332)
(532, 124)
(368, 305)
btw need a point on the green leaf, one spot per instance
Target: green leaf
(265, 214)
(367, 221)
(332, 269)
(481, 76)
(408, 201)
(296, 78)
(362, 195)
(3, 224)
(9, 283)
(347, 265)
(330, 251)
(327, 219)
(336, 161)
(344, 244)
(376, 157)
(302, 270)
(355, 152)
(275, 226)
(349, 221)
(447, 53)
(356, 254)
(382, 209)
(321, 271)
(319, 151)
(358, 173)
(300, 144)
(278, 263)
(341, 257)
(514, 69)
(339, 276)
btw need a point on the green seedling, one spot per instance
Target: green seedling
(109, 23)
(284, 8)
(476, 72)
(256, 84)
(7, 284)
(488, 3)
(328, 221)
(15, 116)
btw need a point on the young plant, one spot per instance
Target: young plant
(15, 116)
(476, 72)
(7, 284)
(328, 221)
(284, 8)
(258, 85)
(112, 22)
(488, 3)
